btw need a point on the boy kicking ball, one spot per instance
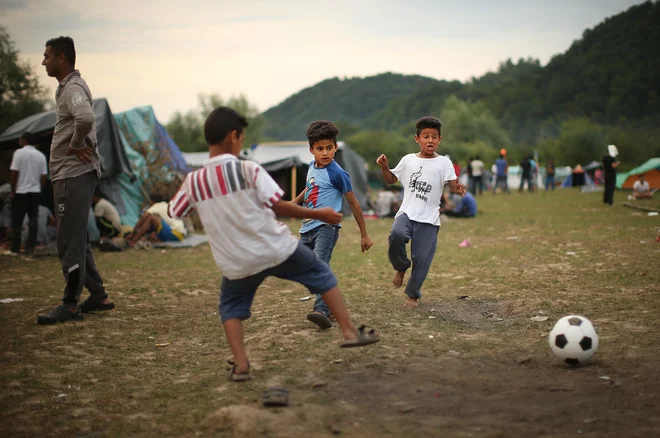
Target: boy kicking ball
(237, 202)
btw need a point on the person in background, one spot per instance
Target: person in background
(609, 168)
(641, 189)
(501, 174)
(28, 176)
(550, 175)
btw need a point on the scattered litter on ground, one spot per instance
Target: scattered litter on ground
(539, 318)
(464, 244)
(10, 300)
(653, 213)
(430, 336)
(464, 297)
(164, 344)
(61, 395)
(570, 253)
(431, 317)
(605, 377)
(305, 298)
(493, 316)
(512, 238)
(337, 361)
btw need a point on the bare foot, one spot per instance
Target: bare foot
(398, 278)
(411, 302)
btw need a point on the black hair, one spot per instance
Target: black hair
(428, 122)
(156, 198)
(28, 137)
(221, 122)
(322, 130)
(501, 155)
(478, 157)
(64, 44)
(98, 193)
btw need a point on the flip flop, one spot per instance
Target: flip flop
(321, 321)
(276, 397)
(363, 338)
(243, 377)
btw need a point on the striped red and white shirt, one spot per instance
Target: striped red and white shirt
(234, 198)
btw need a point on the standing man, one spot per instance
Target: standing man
(502, 174)
(609, 168)
(28, 176)
(478, 168)
(75, 169)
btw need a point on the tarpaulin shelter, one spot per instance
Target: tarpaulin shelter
(651, 171)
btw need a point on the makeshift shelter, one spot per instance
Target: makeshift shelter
(578, 180)
(651, 171)
(115, 164)
(146, 135)
(287, 163)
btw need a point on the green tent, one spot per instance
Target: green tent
(650, 169)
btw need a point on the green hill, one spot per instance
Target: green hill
(348, 100)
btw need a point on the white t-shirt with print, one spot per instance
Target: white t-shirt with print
(423, 180)
(234, 198)
(640, 187)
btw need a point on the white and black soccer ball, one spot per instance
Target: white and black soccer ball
(573, 339)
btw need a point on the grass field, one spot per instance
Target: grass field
(478, 367)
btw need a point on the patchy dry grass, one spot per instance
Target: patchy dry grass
(559, 253)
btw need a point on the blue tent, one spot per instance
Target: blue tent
(568, 182)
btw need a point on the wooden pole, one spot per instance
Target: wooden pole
(294, 180)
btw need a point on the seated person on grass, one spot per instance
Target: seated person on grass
(462, 206)
(157, 226)
(106, 216)
(641, 189)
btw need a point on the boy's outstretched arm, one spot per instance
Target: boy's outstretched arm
(365, 240)
(390, 178)
(456, 186)
(289, 209)
(298, 199)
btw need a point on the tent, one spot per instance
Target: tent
(287, 163)
(568, 182)
(593, 165)
(651, 171)
(146, 135)
(115, 164)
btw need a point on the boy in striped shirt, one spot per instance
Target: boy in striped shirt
(237, 202)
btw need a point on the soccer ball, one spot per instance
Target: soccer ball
(573, 339)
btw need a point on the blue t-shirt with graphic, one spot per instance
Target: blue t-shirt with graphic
(325, 188)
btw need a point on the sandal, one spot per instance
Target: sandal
(60, 313)
(242, 377)
(95, 305)
(321, 321)
(276, 397)
(363, 338)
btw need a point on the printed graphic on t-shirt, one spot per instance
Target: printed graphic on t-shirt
(312, 194)
(418, 186)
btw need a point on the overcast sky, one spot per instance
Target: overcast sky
(163, 53)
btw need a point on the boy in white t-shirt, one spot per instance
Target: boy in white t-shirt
(423, 176)
(237, 202)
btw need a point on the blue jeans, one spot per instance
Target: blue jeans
(549, 182)
(322, 241)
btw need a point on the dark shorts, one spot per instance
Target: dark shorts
(302, 267)
(106, 229)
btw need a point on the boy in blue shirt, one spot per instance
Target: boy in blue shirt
(466, 206)
(326, 184)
